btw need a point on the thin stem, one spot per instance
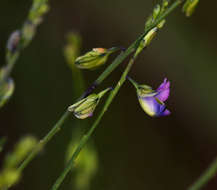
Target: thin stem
(133, 82)
(129, 50)
(44, 141)
(112, 95)
(205, 177)
(95, 124)
(99, 80)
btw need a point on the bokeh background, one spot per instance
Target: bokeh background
(135, 151)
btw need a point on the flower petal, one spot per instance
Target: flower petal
(166, 112)
(163, 91)
(153, 107)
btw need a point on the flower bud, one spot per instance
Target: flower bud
(149, 36)
(13, 41)
(94, 58)
(37, 12)
(189, 7)
(85, 107)
(22, 148)
(147, 39)
(9, 177)
(152, 101)
(156, 11)
(161, 24)
(6, 90)
(28, 32)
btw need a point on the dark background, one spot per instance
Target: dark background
(135, 151)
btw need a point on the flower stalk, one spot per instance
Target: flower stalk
(113, 93)
(122, 56)
(44, 141)
(205, 177)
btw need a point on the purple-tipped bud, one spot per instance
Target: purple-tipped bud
(85, 107)
(13, 41)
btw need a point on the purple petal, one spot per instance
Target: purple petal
(163, 91)
(152, 107)
(166, 112)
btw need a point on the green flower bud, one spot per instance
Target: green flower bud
(6, 90)
(94, 58)
(22, 148)
(149, 36)
(189, 7)
(37, 11)
(147, 39)
(161, 24)
(85, 107)
(9, 177)
(164, 6)
(149, 21)
(156, 11)
(28, 32)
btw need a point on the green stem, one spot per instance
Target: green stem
(129, 50)
(205, 177)
(95, 124)
(99, 80)
(44, 141)
(133, 82)
(112, 95)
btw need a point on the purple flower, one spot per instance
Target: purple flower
(152, 101)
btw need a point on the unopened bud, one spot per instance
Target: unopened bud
(85, 107)
(147, 39)
(6, 91)
(22, 148)
(13, 41)
(94, 58)
(28, 32)
(161, 24)
(189, 7)
(9, 177)
(156, 11)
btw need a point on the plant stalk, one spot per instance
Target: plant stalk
(86, 137)
(205, 177)
(129, 50)
(99, 80)
(113, 93)
(44, 141)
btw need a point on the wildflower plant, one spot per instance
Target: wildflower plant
(151, 101)
(18, 40)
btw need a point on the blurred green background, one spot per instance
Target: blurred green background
(135, 151)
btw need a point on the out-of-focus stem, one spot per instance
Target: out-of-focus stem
(44, 141)
(205, 177)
